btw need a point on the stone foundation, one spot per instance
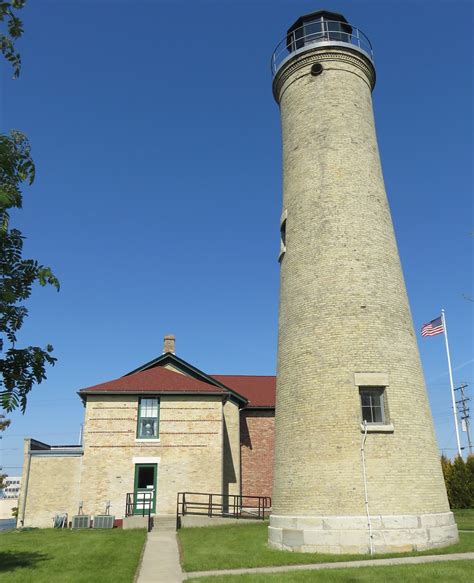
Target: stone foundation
(350, 534)
(135, 522)
(192, 521)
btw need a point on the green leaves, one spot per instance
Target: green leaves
(46, 276)
(4, 423)
(459, 480)
(20, 368)
(14, 30)
(16, 167)
(15, 27)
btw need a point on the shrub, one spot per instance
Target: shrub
(459, 480)
(470, 471)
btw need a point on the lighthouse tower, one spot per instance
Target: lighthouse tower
(356, 462)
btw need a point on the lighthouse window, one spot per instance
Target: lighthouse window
(282, 239)
(148, 418)
(283, 233)
(372, 404)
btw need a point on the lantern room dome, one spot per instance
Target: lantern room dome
(323, 28)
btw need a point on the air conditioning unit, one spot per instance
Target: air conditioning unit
(81, 521)
(104, 521)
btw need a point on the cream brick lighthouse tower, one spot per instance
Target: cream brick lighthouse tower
(356, 462)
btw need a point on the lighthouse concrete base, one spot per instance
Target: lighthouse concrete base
(350, 534)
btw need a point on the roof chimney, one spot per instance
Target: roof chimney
(168, 345)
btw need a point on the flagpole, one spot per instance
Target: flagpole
(443, 318)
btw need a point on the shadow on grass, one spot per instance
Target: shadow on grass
(11, 560)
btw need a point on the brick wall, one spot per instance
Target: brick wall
(188, 452)
(53, 488)
(343, 309)
(231, 449)
(257, 440)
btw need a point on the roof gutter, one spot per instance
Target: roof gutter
(84, 394)
(59, 451)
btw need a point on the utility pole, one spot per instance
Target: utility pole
(464, 413)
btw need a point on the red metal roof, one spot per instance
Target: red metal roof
(158, 379)
(259, 390)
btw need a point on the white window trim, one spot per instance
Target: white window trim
(140, 417)
(371, 379)
(377, 428)
(146, 460)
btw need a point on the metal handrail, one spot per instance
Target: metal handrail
(295, 42)
(130, 507)
(223, 505)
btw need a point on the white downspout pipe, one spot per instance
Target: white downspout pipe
(366, 496)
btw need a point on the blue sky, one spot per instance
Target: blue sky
(158, 189)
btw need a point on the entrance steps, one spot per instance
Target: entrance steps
(164, 523)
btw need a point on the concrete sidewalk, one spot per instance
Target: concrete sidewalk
(341, 565)
(160, 562)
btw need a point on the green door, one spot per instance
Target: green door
(145, 488)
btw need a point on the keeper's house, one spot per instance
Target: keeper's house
(163, 428)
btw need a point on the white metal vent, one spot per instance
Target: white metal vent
(81, 521)
(104, 521)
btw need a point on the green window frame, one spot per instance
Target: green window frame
(141, 494)
(148, 423)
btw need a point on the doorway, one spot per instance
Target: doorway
(145, 488)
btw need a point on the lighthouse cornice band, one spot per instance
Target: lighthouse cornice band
(321, 54)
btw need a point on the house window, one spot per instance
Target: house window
(372, 404)
(148, 418)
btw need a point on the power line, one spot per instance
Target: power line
(464, 413)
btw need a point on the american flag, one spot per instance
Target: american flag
(432, 328)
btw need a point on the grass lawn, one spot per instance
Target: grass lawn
(76, 556)
(237, 546)
(458, 571)
(464, 518)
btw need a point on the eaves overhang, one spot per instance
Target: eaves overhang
(84, 394)
(58, 452)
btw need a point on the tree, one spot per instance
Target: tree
(4, 423)
(20, 368)
(447, 468)
(460, 484)
(470, 472)
(14, 29)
